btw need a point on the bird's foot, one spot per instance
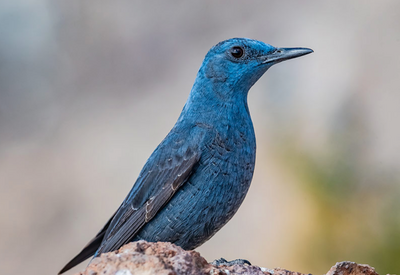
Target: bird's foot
(222, 261)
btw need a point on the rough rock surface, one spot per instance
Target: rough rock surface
(142, 257)
(351, 268)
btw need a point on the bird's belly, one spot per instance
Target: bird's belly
(206, 202)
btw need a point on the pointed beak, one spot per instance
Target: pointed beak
(282, 54)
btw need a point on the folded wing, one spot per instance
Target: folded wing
(165, 171)
(157, 186)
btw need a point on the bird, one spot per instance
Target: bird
(198, 176)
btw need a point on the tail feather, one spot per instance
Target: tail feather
(89, 250)
(86, 253)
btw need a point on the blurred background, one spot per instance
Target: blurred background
(89, 88)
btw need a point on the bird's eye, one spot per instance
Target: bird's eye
(237, 52)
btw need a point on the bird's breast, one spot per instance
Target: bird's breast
(227, 162)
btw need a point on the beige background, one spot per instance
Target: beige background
(89, 88)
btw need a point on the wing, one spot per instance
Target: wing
(166, 170)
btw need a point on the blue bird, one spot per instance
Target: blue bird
(198, 176)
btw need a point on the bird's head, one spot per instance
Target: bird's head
(238, 63)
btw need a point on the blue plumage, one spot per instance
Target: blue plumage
(196, 179)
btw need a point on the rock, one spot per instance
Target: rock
(147, 258)
(351, 268)
(144, 258)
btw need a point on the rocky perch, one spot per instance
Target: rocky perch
(168, 259)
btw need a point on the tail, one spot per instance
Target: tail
(89, 250)
(86, 253)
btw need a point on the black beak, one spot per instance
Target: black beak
(282, 54)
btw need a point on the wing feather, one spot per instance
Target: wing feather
(167, 169)
(162, 181)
